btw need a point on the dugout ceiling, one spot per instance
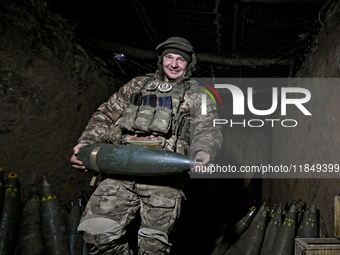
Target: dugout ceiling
(243, 38)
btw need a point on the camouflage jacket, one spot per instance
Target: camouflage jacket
(205, 137)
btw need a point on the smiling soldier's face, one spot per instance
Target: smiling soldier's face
(174, 66)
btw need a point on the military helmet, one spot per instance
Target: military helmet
(177, 45)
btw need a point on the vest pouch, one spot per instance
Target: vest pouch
(162, 120)
(128, 117)
(115, 135)
(144, 118)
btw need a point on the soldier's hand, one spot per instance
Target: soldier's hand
(203, 159)
(77, 163)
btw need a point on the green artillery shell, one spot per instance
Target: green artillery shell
(285, 241)
(300, 207)
(231, 235)
(10, 219)
(76, 239)
(309, 227)
(2, 191)
(255, 236)
(30, 242)
(236, 248)
(322, 229)
(243, 224)
(53, 223)
(272, 231)
(303, 222)
(132, 160)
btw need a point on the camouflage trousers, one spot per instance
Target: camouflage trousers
(114, 205)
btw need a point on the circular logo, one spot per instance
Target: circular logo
(164, 87)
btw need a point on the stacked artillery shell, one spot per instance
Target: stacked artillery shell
(272, 231)
(231, 235)
(284, 243)
(308, 227)
(322, 229)
(10, 219)
(243, 224)
(300, 207)
(272, 212)
(52, 222)
(2, 191)
(30, 233)
(256, 235)
(237, 247)
(76, 239)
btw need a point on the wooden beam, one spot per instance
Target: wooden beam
(112, 47)
(252, 62)
(337, 216)
(201, 57)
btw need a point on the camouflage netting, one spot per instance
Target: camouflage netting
(49, 87)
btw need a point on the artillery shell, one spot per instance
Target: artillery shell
(308, 227)
(10, 219)
(272, 231)
(285, 241)
(132, 160)
(53, 224)
(30, 242)
(2, 191)
(237, 247)
(73, 219)
(322, 229)
(231, 235)
(255, 236)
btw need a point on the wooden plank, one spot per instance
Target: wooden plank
(211, 58)
(317, 246)
(337, 216)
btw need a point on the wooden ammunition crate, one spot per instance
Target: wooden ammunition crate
(317, 246)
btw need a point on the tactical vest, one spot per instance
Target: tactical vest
(153, 110)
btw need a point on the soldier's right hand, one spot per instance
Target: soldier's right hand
(77, 163)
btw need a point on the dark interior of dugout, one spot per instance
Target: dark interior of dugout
(50, 85)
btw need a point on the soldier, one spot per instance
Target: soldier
(152, 110)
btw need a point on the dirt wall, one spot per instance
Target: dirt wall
(49, 87)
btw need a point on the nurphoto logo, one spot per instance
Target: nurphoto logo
(300, 97)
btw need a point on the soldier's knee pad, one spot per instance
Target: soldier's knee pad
(100, 230)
